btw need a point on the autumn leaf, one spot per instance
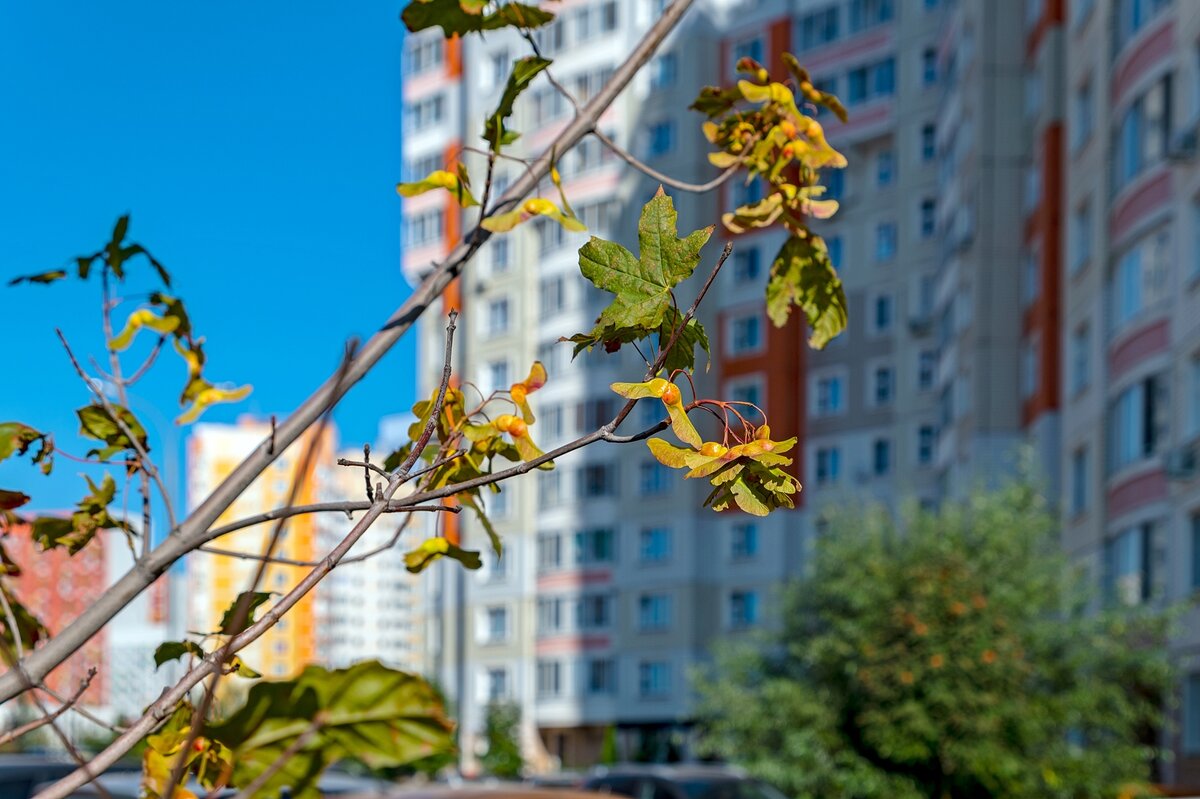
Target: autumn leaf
(803, 276)
(455, 183)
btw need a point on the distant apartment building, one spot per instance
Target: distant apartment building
(368, 608)
(215, 581)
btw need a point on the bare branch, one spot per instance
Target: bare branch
(13, 735)
(191, 533)
(348, 506)
(146, 364)
(696, 188)
(144, 462)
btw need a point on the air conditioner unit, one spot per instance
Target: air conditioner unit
(920, 324)
(1180, 463)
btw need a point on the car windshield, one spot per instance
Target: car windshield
(728, 789)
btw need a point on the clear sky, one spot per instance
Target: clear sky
(257, 147)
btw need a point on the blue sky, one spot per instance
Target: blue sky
(257, 147)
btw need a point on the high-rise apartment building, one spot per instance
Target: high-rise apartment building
(615, 582)
(215, 581)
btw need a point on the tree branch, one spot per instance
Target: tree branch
(696, 188)
(13, 735)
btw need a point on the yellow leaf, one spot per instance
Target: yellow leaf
(670, 455)
(139, 319)
(439, 179)
(681, 425)
(212, 396)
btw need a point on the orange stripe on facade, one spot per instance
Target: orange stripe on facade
(454, 57)
(1045, 316)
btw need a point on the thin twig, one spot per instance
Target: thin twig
(144, 461)
(696, 188)
(13, 735)
(277, 765)
(145, 367)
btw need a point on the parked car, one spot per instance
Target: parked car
(678, 782)
(127, 785)
(21, 773)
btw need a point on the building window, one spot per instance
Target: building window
(1084, 109)
(549, 615)
(1081, 345)
(496, 376)
(829, 465)
(929, 73)
(746, 266)
(654, 545)
(663, 71)
(595, 546)
(1081, 237)
(552, 293)
(928, 142)
(866, 14)
(497, 624)
(598, 480)
(425, 113)
(654, 612)
(926, 369)
(748, 48)
(928, 217)
(422, 54)
(550, 38)
(881, 457)
(419, 168)
(497, 684)
(884, 385)
(1140, 279)
(608, 16)
(599, 216)
(829, 395)
(1193, 398)
(594, 611)
(1127, 566)
(745, 334)
(1142, 134)
(549, 547)
(549, 678)
(833, 246)
(744, 541)
(1030, 361)
(1079, 481)
(662, 138)
(885, 241)
(500, 254)
(602, 676)
(549, 488)
(750, 193)
(871, 82)
(550, 235)
(1137, 426)
(743, 609)
(497, 316)
(819, 28)
(926, 440)
(1033, 93)
(500, 61)
(885, 167)
(654, 679)
(653, 478)
(882, 314)
(748, 393)
(423, 229)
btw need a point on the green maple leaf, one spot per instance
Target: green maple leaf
(803, 276)
(524, 71)
(642, 305)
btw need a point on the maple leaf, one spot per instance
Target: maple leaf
(642, 304)
(802, 275)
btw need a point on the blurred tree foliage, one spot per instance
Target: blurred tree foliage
(948, 655)
(502, 729)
